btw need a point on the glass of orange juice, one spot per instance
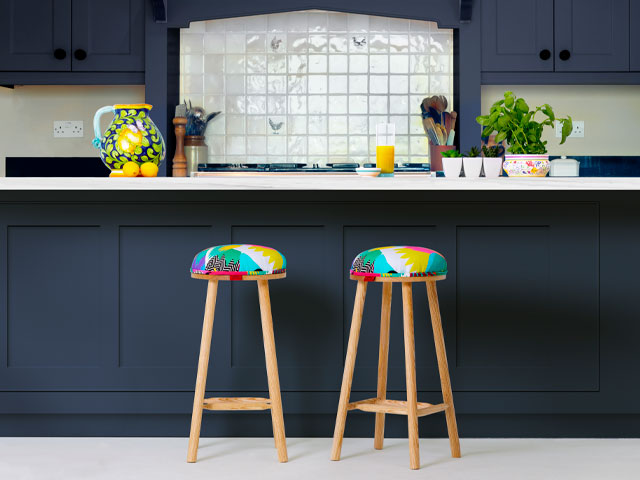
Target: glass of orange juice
(385, 148)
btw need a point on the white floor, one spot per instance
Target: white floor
(236, 458)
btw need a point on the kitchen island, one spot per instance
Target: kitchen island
(101, 320)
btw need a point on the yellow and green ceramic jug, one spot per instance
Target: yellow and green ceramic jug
(131, 137)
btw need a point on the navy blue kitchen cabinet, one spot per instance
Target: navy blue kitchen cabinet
(35, 35)
(517, 42)
(555, 35)
(101, 322)
(634, 46)
(69, 36)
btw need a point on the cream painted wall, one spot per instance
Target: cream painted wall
(611, 115)
(27, 114)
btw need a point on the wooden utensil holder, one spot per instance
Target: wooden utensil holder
(435, 156)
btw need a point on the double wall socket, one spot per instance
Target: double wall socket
(577, 132)
(68, 128)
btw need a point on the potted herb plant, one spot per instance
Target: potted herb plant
(515, 124)
(472, 162)
(492, 161)
(452, 163)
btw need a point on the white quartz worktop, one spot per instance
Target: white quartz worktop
(319, 182)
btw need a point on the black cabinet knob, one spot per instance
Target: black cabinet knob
(60, 53)
(80, 54)
(545, 54)
(565, 55)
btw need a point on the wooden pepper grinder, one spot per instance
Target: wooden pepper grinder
(179, 159)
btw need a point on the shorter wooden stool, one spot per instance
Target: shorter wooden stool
(245, 263)
(406, 265)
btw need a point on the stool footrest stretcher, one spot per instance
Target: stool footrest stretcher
(236, 403)
(397, 407)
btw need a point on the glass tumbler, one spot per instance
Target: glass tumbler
(385, 148)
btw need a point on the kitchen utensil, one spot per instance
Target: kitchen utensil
(195, 151)
(435, 156)
(179, 159)
(385, 148)
(131, 137)
(368, 171)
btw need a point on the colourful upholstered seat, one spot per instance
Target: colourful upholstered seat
(242, 259)
(399, 261)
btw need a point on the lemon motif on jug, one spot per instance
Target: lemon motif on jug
(131, 137)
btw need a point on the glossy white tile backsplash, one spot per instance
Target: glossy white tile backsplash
(310, 86)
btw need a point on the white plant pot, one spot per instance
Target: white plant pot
(492, 166)
(452, 167)
(472, 166)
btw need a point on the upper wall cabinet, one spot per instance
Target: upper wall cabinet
(592, 35)
(35, 35)
(517, 43)
(71, 36)
(634, 19)
(555, 35)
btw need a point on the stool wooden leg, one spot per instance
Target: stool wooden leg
(277, 419)
(203, 364)
(443, 368)
(349, 364)
(383, 361)
(410, 366)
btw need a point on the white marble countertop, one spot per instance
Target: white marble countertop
(319, 182)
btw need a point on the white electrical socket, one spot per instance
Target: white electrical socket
(68, 129)
(577, 132)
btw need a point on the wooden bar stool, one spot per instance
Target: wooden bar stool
(246, 263)
(406, 265)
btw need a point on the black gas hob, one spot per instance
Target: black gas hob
(303, 167)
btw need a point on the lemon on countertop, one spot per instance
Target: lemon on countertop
(149, 169)
(130, 169)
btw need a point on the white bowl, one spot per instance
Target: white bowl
(368, 171)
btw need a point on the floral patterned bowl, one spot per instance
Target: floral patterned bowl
(526, 165)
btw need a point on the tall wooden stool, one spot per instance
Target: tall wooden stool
(406, 265)
(246, 263)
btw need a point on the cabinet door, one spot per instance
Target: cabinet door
(521, 42)
(31, 31)
(634, 44)
(108, 36)
(592, 35)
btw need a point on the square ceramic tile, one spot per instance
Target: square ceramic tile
(256, 23)
(297, 125)
(337, 22)
(276, 63)
(297, 145)
(318, 63)
(338, 124)
(191, 64)
(297, 104)
(234, 84)
(256, 104)
(338, 44)
(358, 125)
(257, 125)
(214, 43)
(338, 83)
(317, 84)
(317, 104)
(379, 84)
(358, 145)
(338, 64)
(277, 84)
(400, 104)
(317, 124)
(398, 84)
(318, 43)
(256, 145)
(297, 42)
(256, 84)
(277, 145)
(235, 43)
(235, 145)
(256, 43)
(338, 104)
(276, 104)
(191, 43)
(378, 104)
(338, 145)
(358, 84)
(297, 84)
(379, 64)
(256, 64)
(235, 124)
(358, 104)
(358, 64)
(214, 84)
(317, 145)
(317, 21)
(214, 63)
(235, 104)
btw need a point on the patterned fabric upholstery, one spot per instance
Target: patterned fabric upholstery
(243, 259)
(399, 261)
